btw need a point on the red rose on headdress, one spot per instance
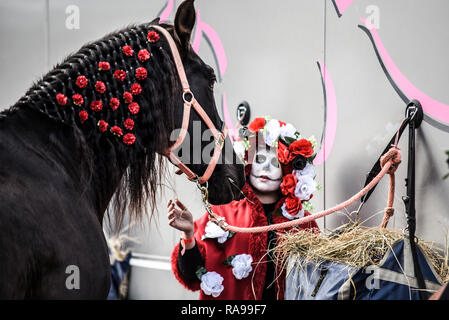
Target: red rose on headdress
(141, 73)
(103, 65)
(100, 87)
(127, 50)
(136, 89)
(129, 124)
(282, 123)
(117, 131)
(114, 103)
(143, 55)
(153, 36)
(288, 184)
(78, 99)
(120, 75)
(102, 125)
(134, 107)
(129, 139)
(96, 106)
(83, 116)
(256, 124)
(283, 153)
(293, 205)
(61, 99)
(301, 147)
(81, 81)
(128, 97)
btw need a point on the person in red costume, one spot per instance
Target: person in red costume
(280, 183)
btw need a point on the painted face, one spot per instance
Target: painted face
(266, 173)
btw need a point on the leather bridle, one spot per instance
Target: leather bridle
(219, 136)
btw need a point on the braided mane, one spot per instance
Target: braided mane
(152, 124)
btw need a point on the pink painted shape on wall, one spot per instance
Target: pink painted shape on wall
(342, 5)
(167, 11)
(214, 40)
(331, 117)
(432, 107)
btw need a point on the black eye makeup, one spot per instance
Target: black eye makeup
(260, 158)
(275, 162)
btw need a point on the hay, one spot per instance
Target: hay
(351, 244)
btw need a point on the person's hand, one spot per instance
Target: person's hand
(179, 217)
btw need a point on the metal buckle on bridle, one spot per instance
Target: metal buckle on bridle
(218, 220)
(219, 140)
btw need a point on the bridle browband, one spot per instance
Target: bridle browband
(219, 136)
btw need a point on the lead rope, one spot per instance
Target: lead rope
(389, 163)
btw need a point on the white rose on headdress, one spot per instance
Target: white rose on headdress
(241, 265)
(211, 284)
(214, 231)
(272, 132)
(288, 131)
(285, 213)
(305, 187)
(309, 170)
(239, 149)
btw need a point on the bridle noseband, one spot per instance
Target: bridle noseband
(219, 137)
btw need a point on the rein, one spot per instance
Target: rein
(189, 102)
(389, 162)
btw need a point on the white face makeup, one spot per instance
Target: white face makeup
(266, 173)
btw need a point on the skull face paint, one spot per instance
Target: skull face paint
(266, 173)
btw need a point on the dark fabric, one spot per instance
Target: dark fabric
(190, 262)
(118, 274)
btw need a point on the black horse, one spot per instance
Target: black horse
(91, 132)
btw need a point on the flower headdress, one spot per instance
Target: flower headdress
(295, 154)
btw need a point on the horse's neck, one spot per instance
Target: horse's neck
(36, 135)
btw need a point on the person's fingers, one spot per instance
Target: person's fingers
(171, 215)
(180, 204)
(169, 203)
(171, 222)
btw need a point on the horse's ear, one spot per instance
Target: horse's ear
(155, 21)
(184, 22)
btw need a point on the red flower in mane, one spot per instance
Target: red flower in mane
(120, 75)
(129, 139)
(136, 89)
(153, 36)
(128, 97)
(141, 73)
(129, 124)
(100, 87)
(103, 65)
(96, 105)
(61, 99)
(81, 81)
(102, 125)
(114, 103)
(134, 107)
(143, 55)
(117, 131)
(83, 116)
(128, 51)
(78, 99)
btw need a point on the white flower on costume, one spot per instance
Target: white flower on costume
(214, 231)
(211, 284)
(272, 132)
(285, 213)
(305, 187)
(241, 265)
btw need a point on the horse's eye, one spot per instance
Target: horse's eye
(211, 85)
